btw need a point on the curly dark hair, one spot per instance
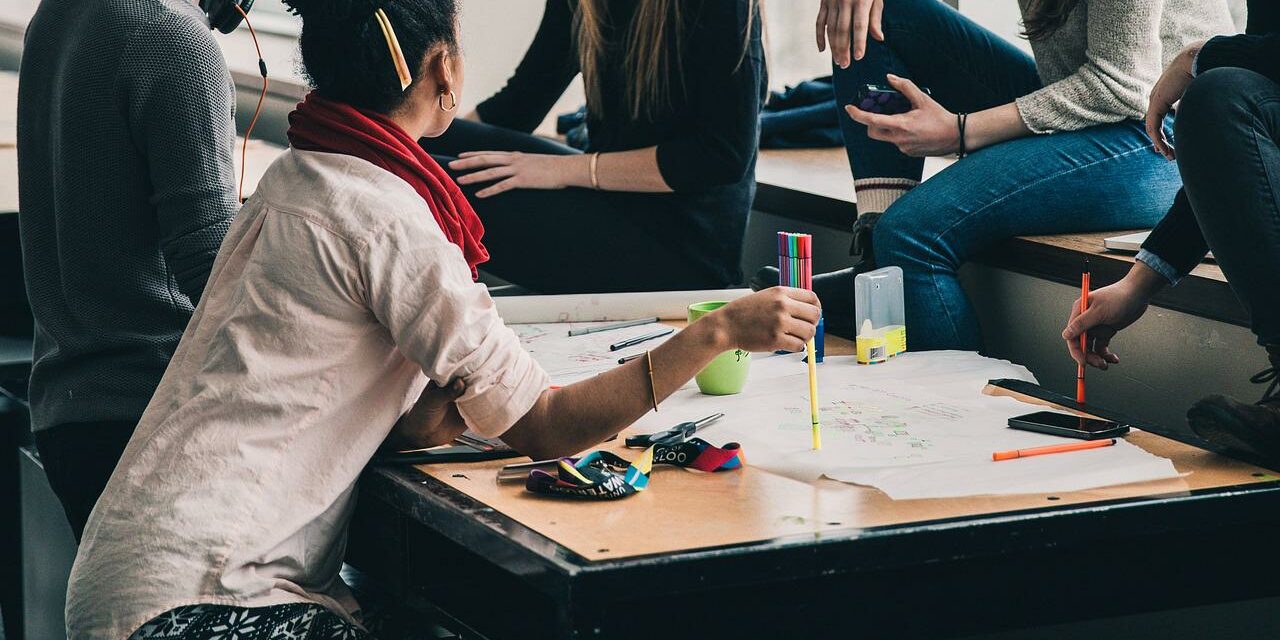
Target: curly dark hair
(1043, 17)
(345, 56)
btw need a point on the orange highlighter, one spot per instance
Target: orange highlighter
(1053, 448)
(1084, 337)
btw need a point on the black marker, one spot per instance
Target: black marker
(631, 342)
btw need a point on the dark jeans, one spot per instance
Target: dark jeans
(1228, 124)
(1100, 178)
(568, 240)
(78, 459)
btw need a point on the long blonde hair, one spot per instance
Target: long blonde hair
(653, 52)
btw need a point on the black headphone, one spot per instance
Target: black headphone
(223, 15)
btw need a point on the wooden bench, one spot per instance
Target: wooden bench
(813, 185)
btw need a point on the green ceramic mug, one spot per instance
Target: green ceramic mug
(727, 373)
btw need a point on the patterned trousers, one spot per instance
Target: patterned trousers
(220, 622)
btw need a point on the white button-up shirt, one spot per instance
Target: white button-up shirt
(333, 300)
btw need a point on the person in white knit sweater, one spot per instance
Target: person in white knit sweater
(1050, 144)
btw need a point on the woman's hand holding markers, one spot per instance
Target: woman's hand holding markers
(769, 320)
(515, 170)
(926, 130)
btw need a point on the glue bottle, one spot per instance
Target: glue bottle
(878, 305)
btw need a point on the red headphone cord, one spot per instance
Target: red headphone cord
(262, 69)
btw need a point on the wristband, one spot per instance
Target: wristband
(962, 118)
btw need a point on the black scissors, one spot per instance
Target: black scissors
(674, 435)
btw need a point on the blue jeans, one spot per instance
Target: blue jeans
(1105, 177)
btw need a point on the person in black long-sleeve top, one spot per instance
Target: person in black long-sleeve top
(659, 201)
(1228, 126)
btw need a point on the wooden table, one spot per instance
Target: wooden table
(753, 554)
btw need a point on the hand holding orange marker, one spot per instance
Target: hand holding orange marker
(1053, 448)
(1084, 335)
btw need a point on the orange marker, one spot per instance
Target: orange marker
(1053, 448)
(1084, 337)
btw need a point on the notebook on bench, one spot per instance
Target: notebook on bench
(1131, 242)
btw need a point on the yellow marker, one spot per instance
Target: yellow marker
(813, 394)
(567, 466)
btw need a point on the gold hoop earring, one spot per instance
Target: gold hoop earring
(453, 99)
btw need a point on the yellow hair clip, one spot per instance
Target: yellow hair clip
(397, 55)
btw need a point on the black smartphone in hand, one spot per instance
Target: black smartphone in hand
(1070, 426)
(874, 98)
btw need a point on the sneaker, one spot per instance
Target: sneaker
(1236, 426)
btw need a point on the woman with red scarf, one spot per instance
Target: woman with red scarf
(342, 312)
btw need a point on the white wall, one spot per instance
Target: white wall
(1000, 16)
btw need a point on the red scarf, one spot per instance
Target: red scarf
(319, 124)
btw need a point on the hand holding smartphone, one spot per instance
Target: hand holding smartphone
(874, 98)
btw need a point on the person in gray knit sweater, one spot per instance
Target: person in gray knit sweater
(126, 189)
(1050, 143)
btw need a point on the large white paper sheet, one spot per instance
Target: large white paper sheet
(917, 426)
(570, 359)
(586, 307)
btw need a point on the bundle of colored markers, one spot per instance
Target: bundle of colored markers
(795, 266)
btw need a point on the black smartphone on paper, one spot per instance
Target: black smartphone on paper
(874, 98)
(1067, 425)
